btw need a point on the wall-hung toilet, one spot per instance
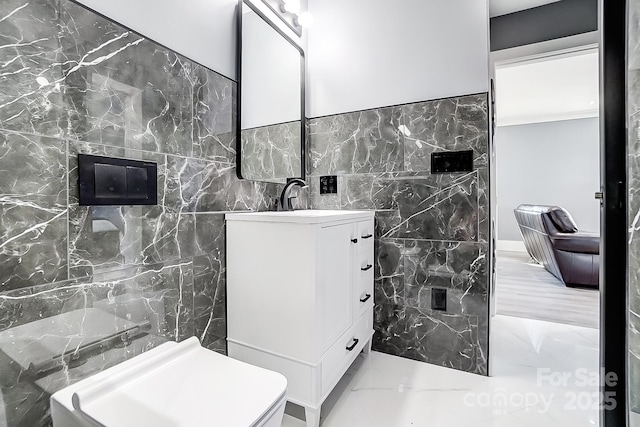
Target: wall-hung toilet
(174, 385)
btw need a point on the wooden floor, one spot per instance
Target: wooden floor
(526, 289)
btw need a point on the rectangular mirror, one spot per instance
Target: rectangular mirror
(271, 100)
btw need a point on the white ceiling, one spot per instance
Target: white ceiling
(557, 88)
(503, 7)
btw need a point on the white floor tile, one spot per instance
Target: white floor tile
(380, 390)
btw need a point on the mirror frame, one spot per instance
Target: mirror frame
(303, 119)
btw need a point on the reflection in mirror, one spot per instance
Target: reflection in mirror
(271, 106)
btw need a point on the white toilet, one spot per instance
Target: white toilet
(174, 385)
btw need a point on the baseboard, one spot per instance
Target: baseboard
(510, 245)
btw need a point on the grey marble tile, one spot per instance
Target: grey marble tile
(633, 31)
(25, 405)
(368, 191)
(121, 89)
(158, 295)
(417, 206)
(34, 246)
(461, 269)
(633, 176)
(387, 223)
(271, 153)
(114, 94)
(634, 276)
(483, 205)
(438, 207)
(210, 317)
(179, 301)
(33, 170)
(389, 272)
(359, 142)
(219, 346)
(266, 192)
(30, 71)
(33, 213)
(210, 233)
(166, 235)
(426, 226)
(154, 293)
(448, 340)
(214, 98)
(450, 124)
(161, 294)
(210, 279)
(482, 345)
(634, 362)
(195, 185)
(110, 238)
(453, 265)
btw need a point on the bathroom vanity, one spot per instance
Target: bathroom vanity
(300, 296)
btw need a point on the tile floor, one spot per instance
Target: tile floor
(387, 391)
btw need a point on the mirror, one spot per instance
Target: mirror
(271, 100)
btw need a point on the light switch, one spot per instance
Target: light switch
(329, 184)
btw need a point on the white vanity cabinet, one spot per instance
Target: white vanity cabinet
(300, 296)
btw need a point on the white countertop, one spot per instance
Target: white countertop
(301, 216)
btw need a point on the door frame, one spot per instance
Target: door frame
(614, 275)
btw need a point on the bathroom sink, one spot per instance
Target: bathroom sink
(305, 216)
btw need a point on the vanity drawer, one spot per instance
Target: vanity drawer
(366, 234)
(363, 285)
(339, 357)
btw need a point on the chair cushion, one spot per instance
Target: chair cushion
(579, 242)
(562, 220)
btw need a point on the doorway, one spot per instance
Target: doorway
(545, 156)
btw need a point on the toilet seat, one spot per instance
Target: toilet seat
(175, 385)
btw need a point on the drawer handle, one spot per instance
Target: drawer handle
(354, 240)
(352, 346)
(368, 267)
(366, 298)
(368, 236)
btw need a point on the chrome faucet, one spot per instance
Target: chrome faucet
(285, 197)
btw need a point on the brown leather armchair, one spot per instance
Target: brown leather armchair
(553, 240)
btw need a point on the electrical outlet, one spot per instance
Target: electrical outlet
(439, 299)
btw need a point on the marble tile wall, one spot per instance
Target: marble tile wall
(431, 229)
(271, 153)
(73, 82)
(633, 106)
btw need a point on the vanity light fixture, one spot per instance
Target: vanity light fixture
(291, 6)
(303, 19)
